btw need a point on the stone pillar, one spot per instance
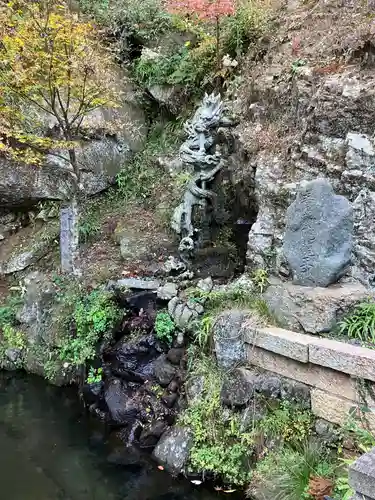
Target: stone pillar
(362, 477)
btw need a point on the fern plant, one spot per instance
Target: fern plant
(360, 324)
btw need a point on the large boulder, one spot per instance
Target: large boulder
(313, 309)
(27, 247)
(100, 157)
(319, 235)
(172, 451)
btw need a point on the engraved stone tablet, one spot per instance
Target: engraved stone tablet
(319, 235)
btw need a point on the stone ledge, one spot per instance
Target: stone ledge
(290, 344)
(307, 373)
(350, 359)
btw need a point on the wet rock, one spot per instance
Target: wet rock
(319, 235)
(228, 339)
(122, 402)
(173, 386)
(92, 393)
(133, 359)
(141, 303)
(170, 400)
(238, 387)
(172, 451)
(167, 291)
(175, 355)
(151, 433)
(164, 371)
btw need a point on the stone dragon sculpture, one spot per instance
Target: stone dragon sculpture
(201, 152)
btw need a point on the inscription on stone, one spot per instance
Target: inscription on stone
(319, 235)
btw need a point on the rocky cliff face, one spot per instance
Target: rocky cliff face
(308, 111)
(112, 138)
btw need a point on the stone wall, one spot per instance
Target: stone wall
(340, 376)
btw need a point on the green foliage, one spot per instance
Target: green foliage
(10, 335)
(284, 474)
(93, 316)
(130, 20)
(187, 66)
(220, 446)
(8, 310)
(360, 324)
(14, 338)
(89, 224)
(139, 177)
(260, 279)
(202, 332)
(288, 422)
(244, 28)
(95, 376)
(164, 327)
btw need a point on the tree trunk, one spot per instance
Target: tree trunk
(69, 226)
(69, 237)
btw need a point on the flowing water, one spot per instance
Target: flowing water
(50, 450)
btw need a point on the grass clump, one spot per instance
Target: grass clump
(285, 474)
(220, 447)
(164, 327)
(360, 325)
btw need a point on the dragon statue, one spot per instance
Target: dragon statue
(200, 152)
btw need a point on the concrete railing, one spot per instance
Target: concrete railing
(340, 376)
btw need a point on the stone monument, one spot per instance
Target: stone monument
(318, 238)
(200, 152)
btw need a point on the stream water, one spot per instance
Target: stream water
(50, 450)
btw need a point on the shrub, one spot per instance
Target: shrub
(187, 66)
(164, 327)
(249, 22)
(130, 20)
(93, 316)
(220, 447)
(8, 310)
(288, 422)
(360, 324)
